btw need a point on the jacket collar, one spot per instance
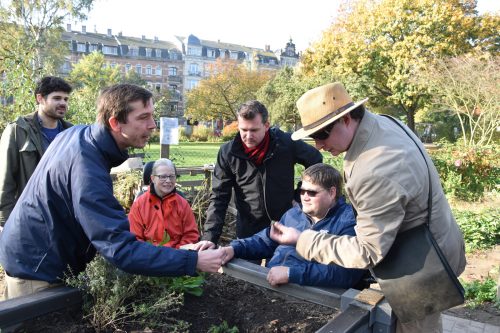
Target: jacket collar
(331, 211)
(238, 150)
(152, 191)
(361, 138)
(107, 145)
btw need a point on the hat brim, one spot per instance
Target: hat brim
(302, 133)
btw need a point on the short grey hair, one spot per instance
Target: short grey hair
(164, 162)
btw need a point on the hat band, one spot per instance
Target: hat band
(328, 116)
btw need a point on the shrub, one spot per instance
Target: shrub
(125, 186)
(481, 230)
(155, 137)
(467, 173)
(229, 131)
(113, 299)
(478, 292)
(202, 134)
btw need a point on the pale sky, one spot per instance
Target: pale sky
(254, 23)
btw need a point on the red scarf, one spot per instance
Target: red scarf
(257, 154)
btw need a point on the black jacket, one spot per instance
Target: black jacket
(263, 193)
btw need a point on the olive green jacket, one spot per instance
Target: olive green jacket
(21, 149)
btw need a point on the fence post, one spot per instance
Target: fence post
(165, 151)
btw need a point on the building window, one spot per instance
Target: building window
(127, 67)
(92, 47)
(148, 70)
(191, 84)
(148, 52)
(113, 64)
(172, 71)
(175, 56)
(158, 70)
(138, 68)
(133, 51)
(158, 87)
(172, 87)
(194, 51)
(234, 55)
(211, 53)
(66, 67)
(110, 50)
(158, 53)
(193, 69)
(80, 47)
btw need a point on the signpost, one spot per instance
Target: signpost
(169, 135)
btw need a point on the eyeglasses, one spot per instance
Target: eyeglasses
(310, 193)
(324, 133)
(166, 177)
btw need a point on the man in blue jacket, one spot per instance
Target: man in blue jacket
(67, 211)
(323, 210)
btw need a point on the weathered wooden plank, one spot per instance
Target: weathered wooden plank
(20, 309)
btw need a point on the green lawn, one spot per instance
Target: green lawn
(194, 154)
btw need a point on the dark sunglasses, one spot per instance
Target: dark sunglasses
(323, 133)
(310, 193)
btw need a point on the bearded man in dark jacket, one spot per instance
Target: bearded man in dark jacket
(259, 165)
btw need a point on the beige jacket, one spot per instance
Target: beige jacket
(387, 183)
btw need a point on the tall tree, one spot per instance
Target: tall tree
(41, 21)
(282, 92)
(88, 77)
(469, 87)
(219, 95)
(377, 46)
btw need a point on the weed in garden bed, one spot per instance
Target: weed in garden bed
(479, 292)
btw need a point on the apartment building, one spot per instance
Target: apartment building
(177, 65)
(200, 55)
(157, 62)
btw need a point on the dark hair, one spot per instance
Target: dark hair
(325, 176)
(250, 109)
(115, 100)
(49, 84)
(358, 112)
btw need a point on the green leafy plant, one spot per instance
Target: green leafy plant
(223, 328)
(481, 229)
(467, 173)
(478, 292)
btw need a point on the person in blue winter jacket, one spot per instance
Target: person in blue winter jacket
(323, 209)
(67, 212)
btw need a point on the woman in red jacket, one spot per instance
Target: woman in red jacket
(160, 215)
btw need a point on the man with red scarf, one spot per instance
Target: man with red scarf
(259, 165)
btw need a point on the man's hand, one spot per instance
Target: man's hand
(201, 245)
(229, 254)
(210, 260)
(277, 275)
(284, 235)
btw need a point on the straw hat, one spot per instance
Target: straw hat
(321, 106)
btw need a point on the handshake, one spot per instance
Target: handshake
(210, 259)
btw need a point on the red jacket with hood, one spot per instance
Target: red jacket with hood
(150, 216)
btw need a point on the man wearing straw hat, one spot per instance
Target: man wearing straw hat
(387, 182)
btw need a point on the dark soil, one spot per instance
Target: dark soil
(256, 309)
(250, 308)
